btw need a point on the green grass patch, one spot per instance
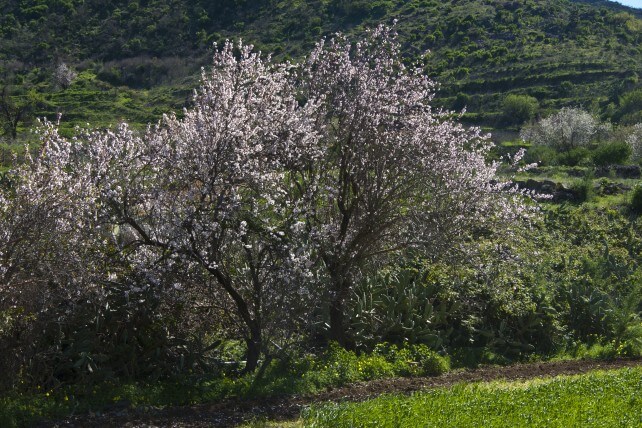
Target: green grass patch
(604, 399)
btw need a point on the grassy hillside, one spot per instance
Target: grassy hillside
(137, 59)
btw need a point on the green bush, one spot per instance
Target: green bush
(636, 200)
(541, 155)
(583, 190)
(611, 154)
(374, 367)
(431, 363)
(404, 305)
(462, 100)
(607, 351)
(518, 109)
(413, 360)
(574, 157)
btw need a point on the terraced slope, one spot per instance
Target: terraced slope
(148, 52)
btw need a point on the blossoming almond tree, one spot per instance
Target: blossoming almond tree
(204, 194)
(43, 206)
(208, 189)
(565, 130)
(394, 173)
(47, 268)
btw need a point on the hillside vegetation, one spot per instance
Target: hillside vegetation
(154, 268)
(138, 59)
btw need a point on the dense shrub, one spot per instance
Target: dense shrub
(413, 360)
(518, 109)
(337, 366)
(636, 200)
(541, 155)
(574, 157)
(611, 154)
(583, 189)
(462, 101)
(403, 305)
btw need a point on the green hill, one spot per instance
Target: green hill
(138, 59)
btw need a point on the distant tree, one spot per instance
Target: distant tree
(634, 140)
(15, 109)
(63, 76)
(517, 109)
(565, 130)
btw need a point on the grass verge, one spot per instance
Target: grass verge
(597, 399)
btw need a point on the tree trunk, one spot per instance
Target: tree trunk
(254, 347)
(337, 330)
(254, 341)
(337, 312)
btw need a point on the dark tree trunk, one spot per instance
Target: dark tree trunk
(254, 348)
(254, 340)
(338, 322)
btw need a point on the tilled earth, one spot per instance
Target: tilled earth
(230, 413)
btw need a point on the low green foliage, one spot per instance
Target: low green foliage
(596, 399)
(292, 375)
(517, 109)
(583, 189)
(541, 155)
(611, 154)
(574, 157)
(636, 200)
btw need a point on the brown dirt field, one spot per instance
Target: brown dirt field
(230, 413)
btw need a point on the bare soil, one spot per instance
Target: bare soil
(230, 413)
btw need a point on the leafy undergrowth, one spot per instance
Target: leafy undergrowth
(601, 398)
(302, 375)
